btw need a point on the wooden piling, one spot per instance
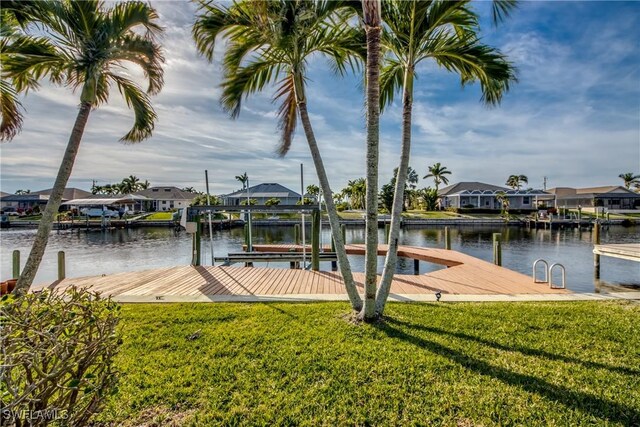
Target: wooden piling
(195, 260)
(387, 229)
(315, 240)
(497, 249)
(334, 264)
(416, 267)
(61, 265)
(343, 228)
(447, 238)
(16, 264)
(596, 257)
(296, 234)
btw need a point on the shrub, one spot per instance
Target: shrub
(342, 206)
(58, 350)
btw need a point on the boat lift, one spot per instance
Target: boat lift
(193, 226)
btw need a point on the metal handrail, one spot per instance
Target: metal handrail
(546, 271)
(564, 274)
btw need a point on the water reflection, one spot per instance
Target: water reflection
(102, 252)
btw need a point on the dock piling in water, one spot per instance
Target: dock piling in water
(61, 265)
(16, 264)
(447, 238)
(497, 249)
(596, 257)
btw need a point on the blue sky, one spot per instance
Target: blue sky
(574, 116)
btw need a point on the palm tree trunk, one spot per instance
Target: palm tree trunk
(398, 197)
(372, 25)
(48, 217)
(334, 221)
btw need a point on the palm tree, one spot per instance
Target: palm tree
(445, 31)
(356, 191)
(438, 172)
(629, 179)
(88, 44)
(145, 185)
(272, 42)
(130, 184)
(372, 20)
(244, 178)
(516, 181)
(189, 190)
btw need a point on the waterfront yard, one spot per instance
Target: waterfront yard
(470, 364)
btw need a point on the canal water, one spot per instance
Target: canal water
(104, 252)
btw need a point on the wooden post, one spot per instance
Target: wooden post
(247, 244)
(447, 238)
(497, 249)
(315, 240)
(296, 233)
(16, 264)
(61, 265)
(196, 243)
(387, 229)
(416, 267)
(596, 257)
(343, 228)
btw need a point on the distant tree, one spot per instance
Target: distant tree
(144, 185)
(190, 190)
(313, 190)
(629, 179)
(251, 202)
(504, 203)
(356, 191)
(23, 192)
(129, 184)
(438, 172)
(410, 184)
(428, 197)
(244, 179)
(385, 197)
(201, 200)
(516, 181)
(306, 201)
(272, 202)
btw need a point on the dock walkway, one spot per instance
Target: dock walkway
(465, 275)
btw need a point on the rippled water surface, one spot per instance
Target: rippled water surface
(103, 252)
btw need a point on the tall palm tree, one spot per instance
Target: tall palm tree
(438, 172)
(272, 41)
(88, 44)
(372, 20)
(244, 178)
(130, 184)
(144, 185)
(516, 181)
(629, 179)
(356, 191)
(446, 32)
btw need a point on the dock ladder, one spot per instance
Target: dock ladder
(548, 274)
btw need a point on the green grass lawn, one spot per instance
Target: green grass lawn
(464, 364)
(158, 216)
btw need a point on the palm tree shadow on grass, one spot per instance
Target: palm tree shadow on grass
(598, 407)
(520, 349)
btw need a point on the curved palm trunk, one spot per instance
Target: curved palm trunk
(48, 217)
(334, 221)
(374, 30)
(398, 197)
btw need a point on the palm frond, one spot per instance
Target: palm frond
(144, 53)
(11, 110)
(501, 9)
(287, 113)
(125, 16)
(391, 77)
(140, 103)
(246, 80)
(213, 20)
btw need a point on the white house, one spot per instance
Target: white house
(166, 198)
(261, 193)
(478, 195)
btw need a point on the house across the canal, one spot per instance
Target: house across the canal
(478, 195)
(261, 193)
(613, 198)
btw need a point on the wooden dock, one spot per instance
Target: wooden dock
(628, 251)
(465, 275)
